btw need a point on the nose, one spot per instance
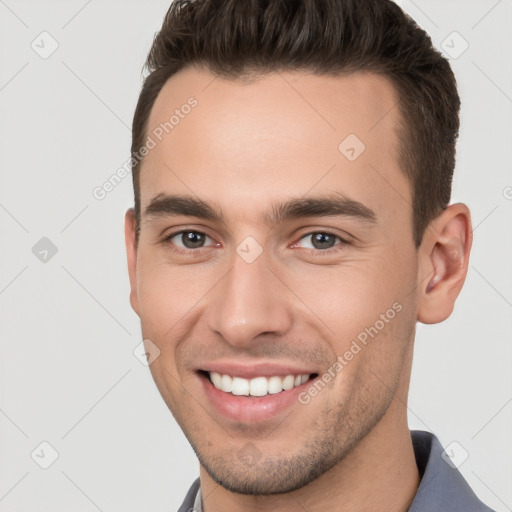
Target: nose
(250, 300)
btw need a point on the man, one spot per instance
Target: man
(292, 167)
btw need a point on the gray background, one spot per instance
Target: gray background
(68, 375)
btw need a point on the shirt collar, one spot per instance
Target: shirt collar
(442, 486)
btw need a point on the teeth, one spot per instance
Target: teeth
(288, 382)
(226, 383)
(216, 378)
(275, 385)
(240, 386)
(259, 386)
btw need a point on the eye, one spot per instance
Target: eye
(321, 241)
(187, 239)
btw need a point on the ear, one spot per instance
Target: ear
(131, 253)
(443, 263)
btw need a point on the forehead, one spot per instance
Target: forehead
(285, 134)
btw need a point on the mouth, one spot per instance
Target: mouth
(257, 386)
(254, 398)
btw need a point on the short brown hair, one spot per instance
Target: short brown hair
(241, 39)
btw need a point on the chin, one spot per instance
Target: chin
(269, 475)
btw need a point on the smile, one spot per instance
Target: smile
(253, 393)
(257, 386)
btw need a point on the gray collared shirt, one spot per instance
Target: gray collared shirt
(442, 487)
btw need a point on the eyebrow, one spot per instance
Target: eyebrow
(335, 204)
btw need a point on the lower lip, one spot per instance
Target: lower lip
(251, 409)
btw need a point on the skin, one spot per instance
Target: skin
(244, 148)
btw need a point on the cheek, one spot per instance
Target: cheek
(350, 297)
(360, 307)
(167, 294)
(179, 400)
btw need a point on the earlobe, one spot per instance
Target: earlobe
(131, 254)
(444, 263)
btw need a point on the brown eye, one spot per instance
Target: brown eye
(187, 239)
(321, 241)
(192, 239)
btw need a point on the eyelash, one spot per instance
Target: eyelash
(312, 252)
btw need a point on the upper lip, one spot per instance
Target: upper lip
(257, 369)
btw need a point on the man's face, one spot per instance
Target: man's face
(261, 296)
